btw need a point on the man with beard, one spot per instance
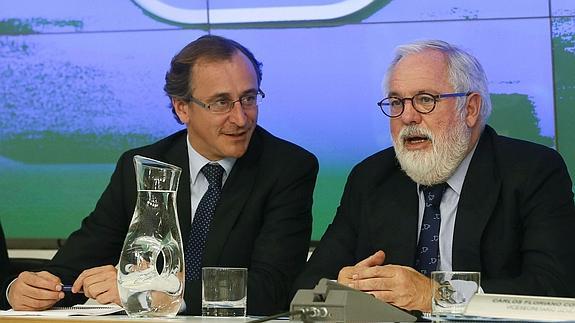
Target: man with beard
(262, 220)
(504, 206)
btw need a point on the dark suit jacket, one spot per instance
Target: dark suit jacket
(515, 219)
(262, 222)
(4, 260)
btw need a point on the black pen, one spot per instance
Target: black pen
(68, 288)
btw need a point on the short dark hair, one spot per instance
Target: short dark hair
(209, 47)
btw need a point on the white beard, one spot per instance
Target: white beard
(435, 166)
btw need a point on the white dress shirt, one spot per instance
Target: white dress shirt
(198, 182)
(448, 209)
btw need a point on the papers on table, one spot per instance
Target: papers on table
(89, 310)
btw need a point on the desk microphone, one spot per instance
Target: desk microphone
(330, 301)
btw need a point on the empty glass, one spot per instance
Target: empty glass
(452, 291)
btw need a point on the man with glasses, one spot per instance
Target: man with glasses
(451, 194)
(262, 220)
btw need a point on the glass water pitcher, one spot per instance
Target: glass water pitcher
(151, 269)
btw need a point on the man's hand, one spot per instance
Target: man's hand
(346, 274)
(35, 291)
(99, 283)
(398, 285)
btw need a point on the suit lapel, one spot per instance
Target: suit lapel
(394, 218)
(236, 191)
(476, 204)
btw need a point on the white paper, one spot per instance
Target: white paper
(82, 310)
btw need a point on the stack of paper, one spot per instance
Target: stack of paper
(68, 311)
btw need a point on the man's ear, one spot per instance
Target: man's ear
(473, 109)
(181, 108)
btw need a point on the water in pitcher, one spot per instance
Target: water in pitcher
(145, 291)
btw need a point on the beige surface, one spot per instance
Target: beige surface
(31, 253)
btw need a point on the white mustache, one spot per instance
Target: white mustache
(415, 131)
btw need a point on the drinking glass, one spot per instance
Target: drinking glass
(224, 291)
(452, 291)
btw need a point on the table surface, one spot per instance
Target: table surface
(115, 318)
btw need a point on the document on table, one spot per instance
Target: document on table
(85, 310)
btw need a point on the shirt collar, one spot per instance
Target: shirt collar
(456, 180)
(197, 161)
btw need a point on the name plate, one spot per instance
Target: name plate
(518, 307)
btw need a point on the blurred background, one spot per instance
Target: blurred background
(81, 82)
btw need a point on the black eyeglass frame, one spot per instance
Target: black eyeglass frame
(231, 103)
(435, 97)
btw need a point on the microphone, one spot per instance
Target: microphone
(330, 301)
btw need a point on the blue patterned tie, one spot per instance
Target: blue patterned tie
(427, 257)
(202, 218)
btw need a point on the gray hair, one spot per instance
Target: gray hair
(464, 71)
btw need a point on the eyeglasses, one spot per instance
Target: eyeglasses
(423, 103)
(220, 106)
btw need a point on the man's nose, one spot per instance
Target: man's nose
(410, 115)
(237, 114)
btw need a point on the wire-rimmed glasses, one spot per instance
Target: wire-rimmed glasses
(223, 105)
(423, 103)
